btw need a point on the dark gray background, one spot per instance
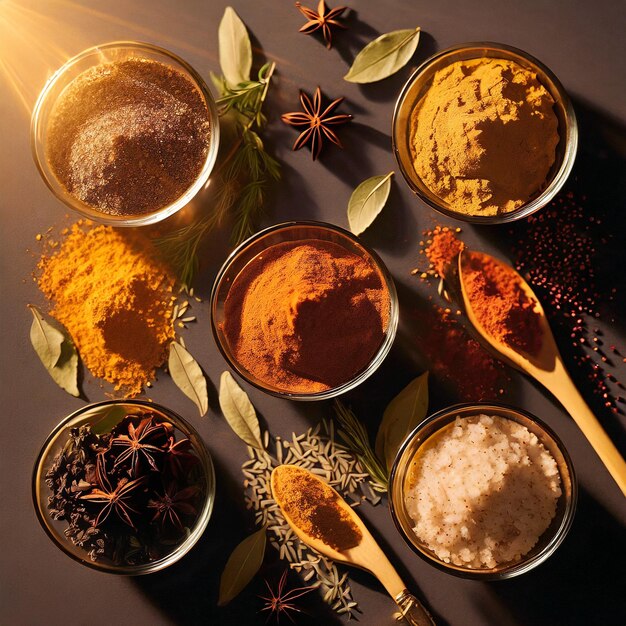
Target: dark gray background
(583, 44)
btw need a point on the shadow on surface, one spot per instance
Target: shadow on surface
(582, 583)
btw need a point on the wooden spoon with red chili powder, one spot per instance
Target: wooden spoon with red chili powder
(509, 318)
(323, 520)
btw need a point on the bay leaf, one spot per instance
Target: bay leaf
(367, 201)
(188, 376)
(56, 350)
(384, 56)
(235, 49)
(46, 337)
(239, 412)
(401, 416)
(242, 565)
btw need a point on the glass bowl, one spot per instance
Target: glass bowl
(548, 542)
(103, 416)
(92, 57)
(287, 232)
(420, 81)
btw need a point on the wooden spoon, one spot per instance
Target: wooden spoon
(547, 368)
(367, 554)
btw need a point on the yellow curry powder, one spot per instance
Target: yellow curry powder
(484, 135)
(314, 507)
(114, 296)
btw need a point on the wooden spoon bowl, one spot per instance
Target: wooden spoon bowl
(545, 366)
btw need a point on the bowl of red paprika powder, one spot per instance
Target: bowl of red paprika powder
(303, 310)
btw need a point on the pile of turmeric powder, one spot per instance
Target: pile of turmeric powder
(484, 135)
(114, 296)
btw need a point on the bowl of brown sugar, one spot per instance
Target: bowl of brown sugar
(484, 133)
(304, 310)
(125, 133)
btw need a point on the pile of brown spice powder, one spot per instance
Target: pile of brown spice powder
(314, 507)
(114, 296)
(306, 316)
(129, 137)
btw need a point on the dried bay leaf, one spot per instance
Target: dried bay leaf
(56, 350)
(188, 376)
(367, 201)
(239, 412)
(401, 416)
(235, 49)
(242, 565)
(384, 56)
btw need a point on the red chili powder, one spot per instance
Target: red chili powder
(500, 304)
(444, 247)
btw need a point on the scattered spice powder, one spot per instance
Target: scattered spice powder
(444, 247)
(456, 359)
(484, 135)
(314, 507)
(306, 316)
(130, 137)
(500, 304)
(114, 296)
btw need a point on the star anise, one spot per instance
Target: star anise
(140, 444)
(179, 456)
(282, 601)
(118, 499)
(321, 19)
(173, 504)
(318, 122)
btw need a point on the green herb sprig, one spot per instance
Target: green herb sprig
(246, 171)
(352, 431)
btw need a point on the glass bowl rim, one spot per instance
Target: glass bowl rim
(559, 177)
(378, 357)
(168, 210)
(130, 570)
(509, 570)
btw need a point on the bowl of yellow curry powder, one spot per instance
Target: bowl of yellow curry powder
(303, 310)
(485, 133)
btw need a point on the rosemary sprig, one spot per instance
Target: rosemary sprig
(241, 179)
(355, 436)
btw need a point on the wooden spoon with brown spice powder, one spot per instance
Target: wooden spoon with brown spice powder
(323, 520)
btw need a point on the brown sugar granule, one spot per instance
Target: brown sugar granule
(306, 316)
(129, 137)
(114, 296)
(314, 507)
(500, 304)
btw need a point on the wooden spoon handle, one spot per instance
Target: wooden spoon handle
(565, 391)
(413, 611)
(375, 560)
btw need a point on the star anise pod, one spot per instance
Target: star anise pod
(179, 456)
(323, 19)
(280, 601)
(118, 499)
(140, 444)
(317, 122)
(173, 504)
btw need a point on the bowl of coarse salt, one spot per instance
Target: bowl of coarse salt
(483, 491)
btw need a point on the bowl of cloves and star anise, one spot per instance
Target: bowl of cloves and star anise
(125, 487)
